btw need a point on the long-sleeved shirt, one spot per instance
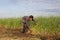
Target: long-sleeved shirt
(25, 20)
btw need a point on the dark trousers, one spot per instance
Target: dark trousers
(25, 28)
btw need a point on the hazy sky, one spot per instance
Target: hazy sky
(17, 8)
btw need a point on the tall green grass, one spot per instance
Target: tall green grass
(48, 24)
(10, 22)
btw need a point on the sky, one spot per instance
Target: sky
(17, 8)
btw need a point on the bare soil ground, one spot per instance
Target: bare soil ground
(15, 34)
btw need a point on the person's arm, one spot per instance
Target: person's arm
(34, 21)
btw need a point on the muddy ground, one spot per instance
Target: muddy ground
(15, 34)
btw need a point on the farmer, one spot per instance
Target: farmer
(25, 22)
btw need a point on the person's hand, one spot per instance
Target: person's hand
(37, 23)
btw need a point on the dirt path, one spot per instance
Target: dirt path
(15, 34)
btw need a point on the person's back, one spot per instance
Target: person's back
(25, 17)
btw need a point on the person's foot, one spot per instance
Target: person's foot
(22, 32)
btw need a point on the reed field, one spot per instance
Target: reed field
(44, 26)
